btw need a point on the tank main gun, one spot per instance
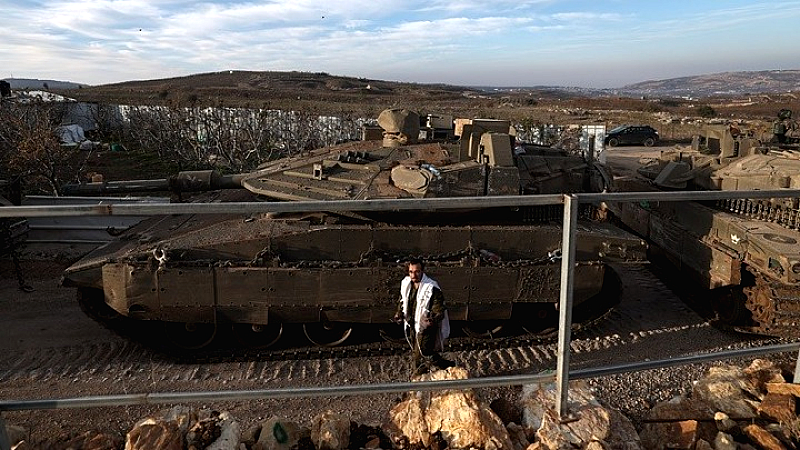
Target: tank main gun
(186, 181)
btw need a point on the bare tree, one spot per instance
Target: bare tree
(233, 139)
(30, 146)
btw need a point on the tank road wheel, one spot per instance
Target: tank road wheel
(190, 335)
(392, 333)
(539, 317)
(649, 142)
(258, 336)
(613, 142)
(327, 334)
(483, 329)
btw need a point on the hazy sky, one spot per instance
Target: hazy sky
(464, 42)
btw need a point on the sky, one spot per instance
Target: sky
(597, 44)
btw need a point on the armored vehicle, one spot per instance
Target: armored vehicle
(745, 251)
(196, 276)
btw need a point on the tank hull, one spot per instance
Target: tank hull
(297, 272)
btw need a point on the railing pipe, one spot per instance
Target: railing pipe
(419, 204)
(382, 388)
(565, 303)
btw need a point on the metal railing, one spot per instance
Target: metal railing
(562, 374)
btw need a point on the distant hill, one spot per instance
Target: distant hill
(33, 83)
(289, 90)
(724, 83)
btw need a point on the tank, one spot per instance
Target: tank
(744, 251)
(199, 277)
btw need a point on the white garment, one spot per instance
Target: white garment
(423, 306)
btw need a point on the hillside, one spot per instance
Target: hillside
(319, 92)
(725, 83)
(729, 94)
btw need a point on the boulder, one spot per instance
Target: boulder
(459, 416)
(762, 438)
(154, 434)
(330, 431)
(89, 440)
(724, 422)
(703, 444)
(277, 434)
(727, 389)
(763, 371)
(724, 441)
(182, 427)
(778, 407)
(670, 435)
(230, 433)
(589, 423)
(518, 436)
(676, 422)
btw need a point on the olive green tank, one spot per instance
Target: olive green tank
(201, 276)
(745, 251)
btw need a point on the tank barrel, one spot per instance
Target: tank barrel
(115, 187)
(187, 181)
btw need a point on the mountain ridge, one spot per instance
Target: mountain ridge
(703, 85)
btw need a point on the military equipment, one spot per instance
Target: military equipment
(329, 273)
(13, 231)
(745, 250)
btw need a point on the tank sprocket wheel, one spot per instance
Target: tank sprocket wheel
(327, 334)
(190, 335)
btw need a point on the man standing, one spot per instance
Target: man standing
(424, 318)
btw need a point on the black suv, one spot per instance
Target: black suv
(632, 134)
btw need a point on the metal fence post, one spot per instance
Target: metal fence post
(5, 443)
(796, 378)
(565, 302)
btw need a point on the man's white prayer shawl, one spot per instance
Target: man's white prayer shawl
(423, 306)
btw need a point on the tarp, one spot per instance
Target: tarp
(70, 134)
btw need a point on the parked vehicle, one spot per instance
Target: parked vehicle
(745, 251)
(198, 276)
(632, 135)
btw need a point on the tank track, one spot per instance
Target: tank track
(585, 317)
(774, 309)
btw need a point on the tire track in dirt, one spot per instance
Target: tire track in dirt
(649, 319)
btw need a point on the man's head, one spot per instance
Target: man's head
(415, 270)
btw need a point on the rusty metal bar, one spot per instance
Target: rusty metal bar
(565, 302)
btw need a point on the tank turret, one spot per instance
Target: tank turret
(197, 277)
